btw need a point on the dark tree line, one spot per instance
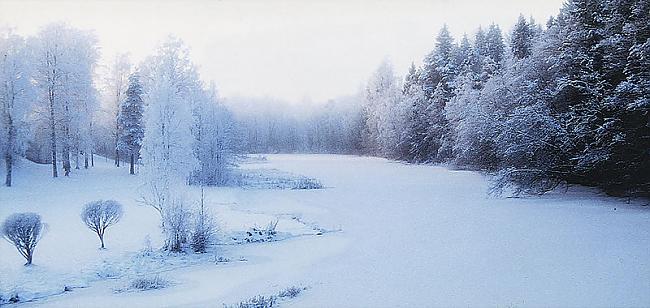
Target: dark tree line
(540, 106)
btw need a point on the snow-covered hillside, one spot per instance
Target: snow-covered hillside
(403, 235)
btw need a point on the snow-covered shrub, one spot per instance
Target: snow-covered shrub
(526, 181)
(291, 292)
(258, 234)
(177, 223)
(204, 230)
(259, 301)
(307, 183)
(23, 230)
(148, 283)
(108, 270)
(270, 228)
(99, 215)
(14, 299)
(147, 249)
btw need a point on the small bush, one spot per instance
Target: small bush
(290, 292)
(99, 215)
(270, 228)
(23, 230)
(307, 183)
(260, 301)
(177, 224)
(204, 229)
(107, 270)
(14, 299)
(256, 302)
(148, 283)
(147, 249)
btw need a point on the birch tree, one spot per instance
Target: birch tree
(16, 96)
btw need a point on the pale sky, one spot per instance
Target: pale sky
(289, 50)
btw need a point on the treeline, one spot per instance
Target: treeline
(55, 107)
(269, 126)
(539, 106)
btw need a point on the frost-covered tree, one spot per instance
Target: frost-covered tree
(117, 81)
(416, 102)
(473, 128)
(383, 112)
(16, 97)
(177, 224)
(521, 39)
(167, 151)
(65, 61)
(130, 121)
(618, 153)
(23, 231)
(438, 74)
(99, 215)
(204, 229)
(215, 140)
(494, 47)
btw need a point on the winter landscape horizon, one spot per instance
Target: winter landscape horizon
(284, 153)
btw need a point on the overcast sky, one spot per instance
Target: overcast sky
(290, 50)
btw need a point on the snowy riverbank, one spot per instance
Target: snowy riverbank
(409, 235)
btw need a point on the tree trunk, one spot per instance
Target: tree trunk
(66, 161)
(92, 159)
(85, 159)
(28, 254)
(76, 159)
(9, 151)
(53, 134)
(8, 165)
(66, 150)
(132, 170)
(101, 239)
(117, 133)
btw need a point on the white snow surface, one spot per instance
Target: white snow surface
(410, 236)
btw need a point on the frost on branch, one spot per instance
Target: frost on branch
(99, 215)
(23, 230)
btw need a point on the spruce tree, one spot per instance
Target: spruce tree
(130, 120)
(521, 39)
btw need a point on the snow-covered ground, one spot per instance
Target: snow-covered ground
(410, 235)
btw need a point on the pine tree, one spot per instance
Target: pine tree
(624, 138)
(495, 48)
(521, 39)
(437, 77)
(130, 119)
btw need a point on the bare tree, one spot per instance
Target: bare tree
(23, 230)
(204, 229)
(99, 215)
(116, 87)
(177, 220)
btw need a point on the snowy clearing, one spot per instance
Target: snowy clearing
(405, 235)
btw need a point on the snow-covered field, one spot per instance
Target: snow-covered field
(403, 235)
